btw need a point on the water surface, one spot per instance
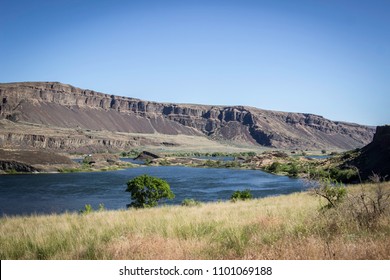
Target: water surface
(58, 193)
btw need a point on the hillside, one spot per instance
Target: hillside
(63, 106)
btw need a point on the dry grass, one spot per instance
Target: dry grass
(284, 227)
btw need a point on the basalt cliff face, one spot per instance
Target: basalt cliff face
(60, 105)
(374, 158)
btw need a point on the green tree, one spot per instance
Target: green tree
(146, 191)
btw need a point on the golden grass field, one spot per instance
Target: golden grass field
(282, 227)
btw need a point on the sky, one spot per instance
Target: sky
(326, 57)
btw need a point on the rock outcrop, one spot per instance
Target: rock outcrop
(32, 161)
(15, 166)
(61, 105)
(75, 143)
(145, 155)
(374, 158)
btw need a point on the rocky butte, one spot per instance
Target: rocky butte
(80, 111)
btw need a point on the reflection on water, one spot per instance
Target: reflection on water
(48, 193)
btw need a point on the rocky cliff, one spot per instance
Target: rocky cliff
(374, 158)
(60, 105)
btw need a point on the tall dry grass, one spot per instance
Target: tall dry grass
(283, 227)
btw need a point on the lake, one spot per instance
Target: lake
(58, 193)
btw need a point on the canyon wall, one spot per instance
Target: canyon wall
(60, 105)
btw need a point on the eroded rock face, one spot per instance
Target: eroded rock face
(374, 158)
(145, 155)
(32, 161)
(63, 105)
(76, 143)
(15, 166)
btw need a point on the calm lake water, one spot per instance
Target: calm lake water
(58, 193)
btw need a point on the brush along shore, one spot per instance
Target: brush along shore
(295, 226)
(276, 162)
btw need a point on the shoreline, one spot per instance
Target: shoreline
(274, 162)
(281, 227)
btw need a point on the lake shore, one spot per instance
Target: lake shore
(283, 227)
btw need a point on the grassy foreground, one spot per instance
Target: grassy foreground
(283, 227)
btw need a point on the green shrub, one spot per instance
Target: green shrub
(318, 173)
(343, 175)
(241, 195)
(333, 192)
(189, 202)
(275, 167)
(293, 170)
(101, 207)
(213, 163)
(232, 164)
(87, 209)
(164, 162)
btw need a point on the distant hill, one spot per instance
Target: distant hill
(64, 106)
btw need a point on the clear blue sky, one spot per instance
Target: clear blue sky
(327, 57)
